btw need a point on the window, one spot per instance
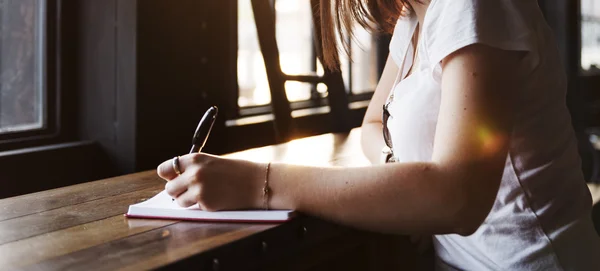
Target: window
(297, 56)
(590, 34)
(361, 76)
(22, 55)
(27, 71)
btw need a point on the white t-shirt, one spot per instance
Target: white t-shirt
(541, 217)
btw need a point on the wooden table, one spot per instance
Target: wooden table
(83, 227)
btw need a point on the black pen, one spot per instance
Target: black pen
(203, 129)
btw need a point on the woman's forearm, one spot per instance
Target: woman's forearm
(395, 198)
(372, 141)
(372, 136)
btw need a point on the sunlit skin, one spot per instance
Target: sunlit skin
(452, 193)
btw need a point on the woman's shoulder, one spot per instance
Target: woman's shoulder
(505, 24)
(478, 5)
(480, 15)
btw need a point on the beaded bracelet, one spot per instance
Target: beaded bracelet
(266, 189)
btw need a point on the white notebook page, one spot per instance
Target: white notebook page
(162, 206)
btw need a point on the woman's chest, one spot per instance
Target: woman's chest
(414, 105)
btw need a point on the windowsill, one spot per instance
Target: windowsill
(321, 110)
(52, 147)
(594, 72)
(359, 104)
(250, 120)
(300, 113)
(53, 166)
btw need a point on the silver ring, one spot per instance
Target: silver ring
(176, 165)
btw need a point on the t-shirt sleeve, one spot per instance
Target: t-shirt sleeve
(454, 24)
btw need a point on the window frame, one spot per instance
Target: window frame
(50, 132)
(234, 111)
(252, 111)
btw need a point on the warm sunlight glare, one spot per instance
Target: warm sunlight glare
(490, 143)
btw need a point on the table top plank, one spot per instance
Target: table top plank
(153, 248)
(193, 247)
(76, 194)
(57, 219)
(50, 245)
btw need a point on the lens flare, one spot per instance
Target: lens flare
(491, 142)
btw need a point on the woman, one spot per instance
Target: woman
(478, 143)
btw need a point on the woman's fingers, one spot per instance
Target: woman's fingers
(188, 198)
(184, 187)
(179, 185)
(214, 183)
(166, 170)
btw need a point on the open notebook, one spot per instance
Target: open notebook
(162, 206)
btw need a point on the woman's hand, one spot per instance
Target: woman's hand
(214, 183)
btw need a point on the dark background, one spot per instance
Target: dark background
(132, 78)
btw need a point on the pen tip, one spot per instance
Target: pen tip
(216, 111)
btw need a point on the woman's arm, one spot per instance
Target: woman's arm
(372, 138)
(451, 194)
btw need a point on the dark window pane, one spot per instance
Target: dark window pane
(21, 65)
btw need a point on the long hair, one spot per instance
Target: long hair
(373, 15)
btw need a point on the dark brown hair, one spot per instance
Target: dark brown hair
(373, 15)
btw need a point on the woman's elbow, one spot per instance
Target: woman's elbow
(475, 206)
(466, 222)
(369, 139)
(468, 225)
(363, 138)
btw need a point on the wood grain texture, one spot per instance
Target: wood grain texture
(76, 194)
(83, 226)
(57, 219)
(152, 248)
(42, 247)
